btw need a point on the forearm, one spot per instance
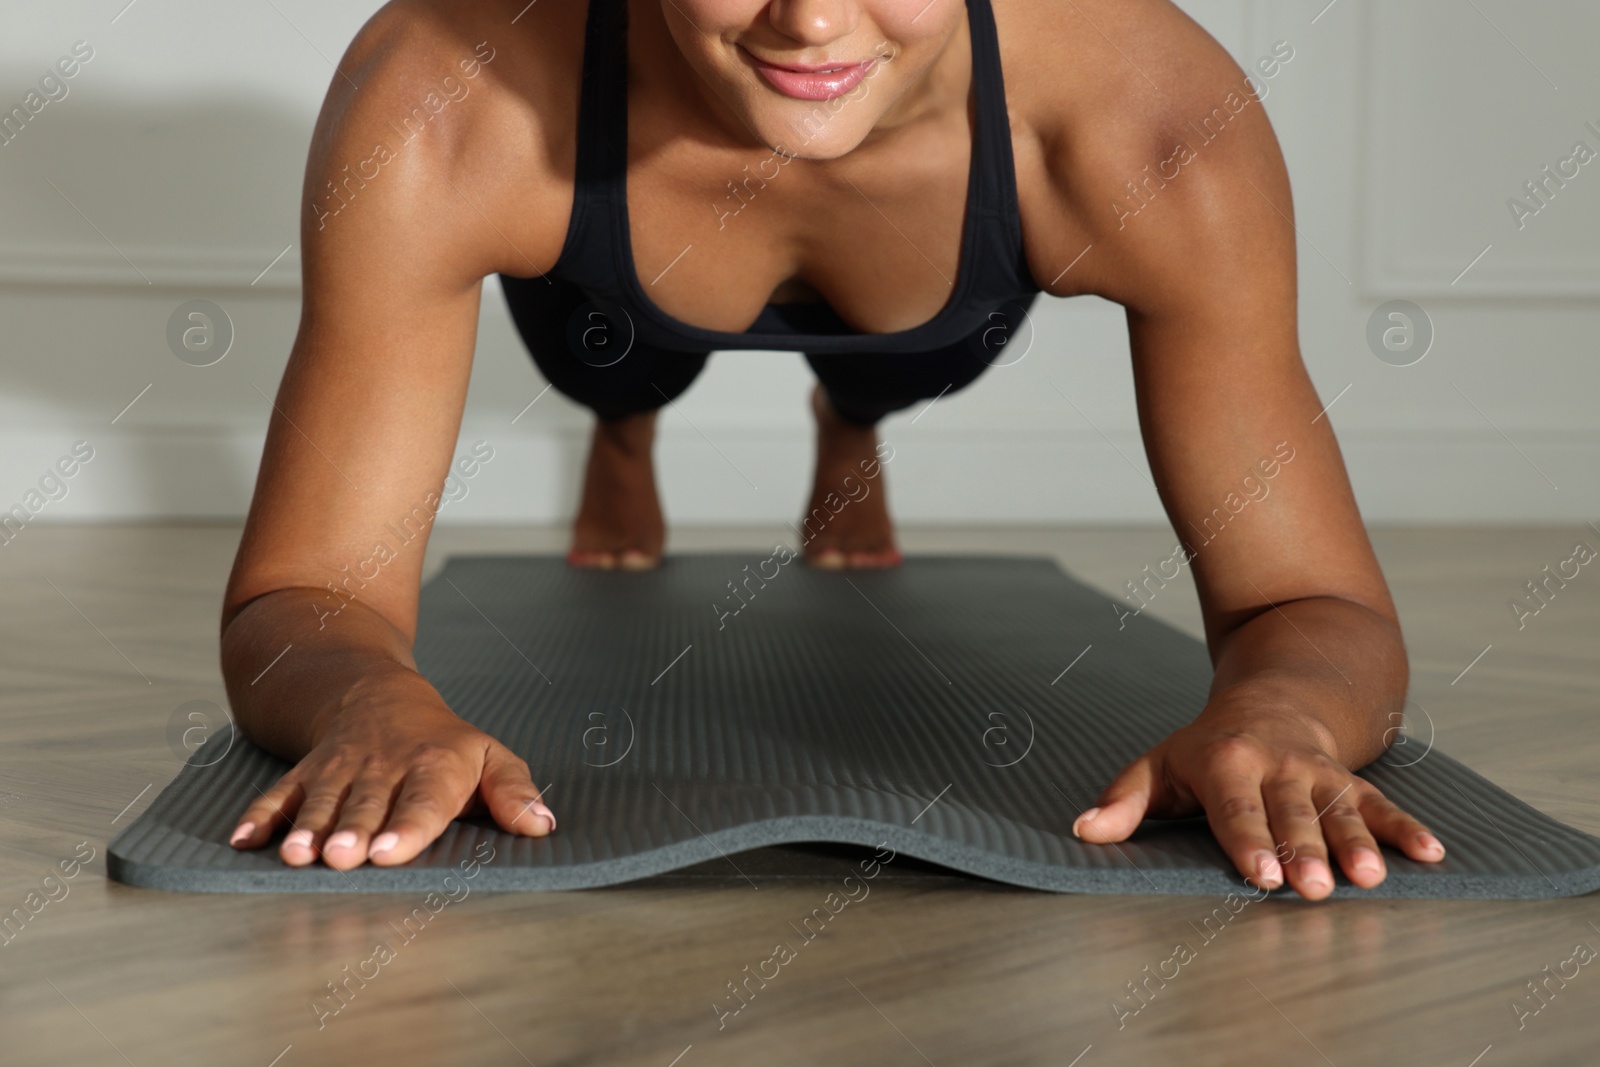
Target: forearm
(287, 671)
(1340, 665)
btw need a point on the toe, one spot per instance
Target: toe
(590, 558)
(634, 559)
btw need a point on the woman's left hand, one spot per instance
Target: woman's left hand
(1275, 797)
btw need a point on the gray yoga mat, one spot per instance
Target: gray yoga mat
(959, 710)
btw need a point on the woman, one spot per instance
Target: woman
(896, 206)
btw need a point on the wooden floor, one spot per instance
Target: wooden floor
(106, 630)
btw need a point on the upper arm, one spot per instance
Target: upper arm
(367, 413)
(1243, 458)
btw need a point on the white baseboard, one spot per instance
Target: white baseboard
(754, 475)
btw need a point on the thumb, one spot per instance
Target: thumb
(1122, 805)
(512, 799)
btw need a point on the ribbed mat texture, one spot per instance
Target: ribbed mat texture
(958, 709)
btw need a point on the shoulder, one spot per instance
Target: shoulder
(1139, 138)
(445, 114)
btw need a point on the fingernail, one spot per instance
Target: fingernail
(302, 838)
(1317, 875)
(1364, 859)
(383, 843)
(540, 809)
(1429, 842)
(1088, 816)
(1268, 870)
(342, 839)
(245, 830)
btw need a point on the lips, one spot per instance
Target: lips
(814, 82)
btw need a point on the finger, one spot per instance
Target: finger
(1345, 831)
(1122, 804)
(429, 798)
(360, 816)
(1293, 817)
(315, 819)
(511, 796)
(267, 812)
(1389, 823)
(1237, 814)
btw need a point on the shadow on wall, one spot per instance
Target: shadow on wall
(113, 223)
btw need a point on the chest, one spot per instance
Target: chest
(716, 234)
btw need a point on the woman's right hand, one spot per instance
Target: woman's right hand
(319, 618)
(389, 769)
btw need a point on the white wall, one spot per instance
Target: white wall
(171, 172)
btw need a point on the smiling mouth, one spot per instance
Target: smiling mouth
(816, 82)
(800, 68)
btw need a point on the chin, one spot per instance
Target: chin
(799, 134)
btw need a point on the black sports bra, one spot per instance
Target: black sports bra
(597, 255)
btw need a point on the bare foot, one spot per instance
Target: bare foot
(859, 533)
(619, 523)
